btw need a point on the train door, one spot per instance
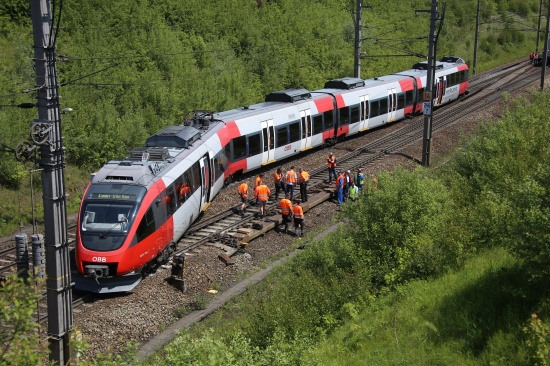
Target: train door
(268, 136)
(205, 180)
(307, 129)
(392, 104)
(364, 105)
(440, 89)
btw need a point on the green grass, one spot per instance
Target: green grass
(470, 317)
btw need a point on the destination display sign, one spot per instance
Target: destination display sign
(114, 196)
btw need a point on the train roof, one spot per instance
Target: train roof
(143, 164)
(272, 101)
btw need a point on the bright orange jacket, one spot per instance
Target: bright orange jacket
(184, 191)
(291, 177)
(304, 176)
(331, 161)
(298, 212)
(262, 192)
(277, 178)
(243, 190)
(286, 206)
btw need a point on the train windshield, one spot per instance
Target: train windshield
(107, 214)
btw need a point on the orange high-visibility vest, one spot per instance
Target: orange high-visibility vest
(304, 177)
(286, 206)
(291, 177)
(277, 178)
(262, 192)
(298, 212)
(331, 161)
(243, 190)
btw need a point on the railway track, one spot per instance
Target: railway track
(223, 229)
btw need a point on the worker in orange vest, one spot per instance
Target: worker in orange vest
(279, 181)
(259, 179)
(298, 219)
(243, 192)
(303, 179)
(331, 164)
(184, 192)
(291, 179)
(262, 193)
(286, 211)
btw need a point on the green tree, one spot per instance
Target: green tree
(21, 343)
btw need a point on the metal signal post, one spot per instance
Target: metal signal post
(46, 134)
(428, 93)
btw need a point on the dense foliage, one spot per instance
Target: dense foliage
(20, 341)
(129, 68)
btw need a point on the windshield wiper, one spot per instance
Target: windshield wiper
(104, 234)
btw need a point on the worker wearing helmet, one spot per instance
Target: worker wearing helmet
(286, 211)
(331, 165)
(298, 219)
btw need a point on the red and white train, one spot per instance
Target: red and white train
(135, 210)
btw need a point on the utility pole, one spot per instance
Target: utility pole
(428, 91)
(46, 133)
(538, 29)
(476, 37)
(358, 26)
(545, 57)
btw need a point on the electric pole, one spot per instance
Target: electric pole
(538, 29)
(428, 91)
(545, 53)
(476, 36)
(46, 133)
(358, 26)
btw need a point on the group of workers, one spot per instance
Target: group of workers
(535, 58)
(347, 187)
(285, 182)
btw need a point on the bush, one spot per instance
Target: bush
(401, 228)
(21, 344)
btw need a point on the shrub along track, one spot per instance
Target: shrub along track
(108, 322)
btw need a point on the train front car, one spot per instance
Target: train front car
(117, 233)
(106, 219)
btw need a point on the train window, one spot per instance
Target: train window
(294, 131)
(239, 148)
(170, 200)
(282, 136)
(182, 189)
(196, 177)
(409, 98)
(355, 117)
(228, 149)
(328, 117)
(344, 115)
(401, 101)
(254, 144)
(146, 226)
(451, 79)
(384, 106)
(317, 124)
(265, 139)
(374, 104)
(220, 164)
